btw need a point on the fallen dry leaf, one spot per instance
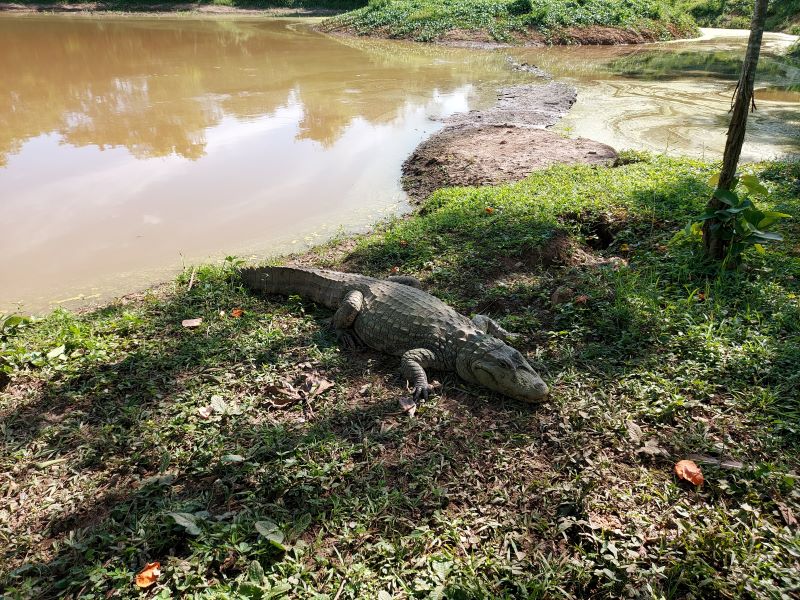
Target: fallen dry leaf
(723, 463)
(408, 405)
(237, 313)
(634, 431)
(688, 470)
(283, 395)
(191, 323)
(305, 387)
(787, 514)
(489, 210)
(149, 575)
(403, 243)
(582, 299)
(205, 411)
(651, 448)
(313, 385)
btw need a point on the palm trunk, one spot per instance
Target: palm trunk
(716, 247)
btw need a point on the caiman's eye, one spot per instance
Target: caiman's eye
(506, 362)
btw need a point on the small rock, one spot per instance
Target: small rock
(408, 405)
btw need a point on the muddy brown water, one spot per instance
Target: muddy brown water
(130, 147)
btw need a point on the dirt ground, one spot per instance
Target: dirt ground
(504, 143)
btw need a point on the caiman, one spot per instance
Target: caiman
(394, 316)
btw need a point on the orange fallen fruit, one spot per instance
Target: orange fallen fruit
(149, 575)
(688, 470)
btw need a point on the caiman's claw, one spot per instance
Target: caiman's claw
(348, 340)
(423, 391)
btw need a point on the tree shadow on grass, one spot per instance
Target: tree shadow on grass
(351, 473)
(131, 429)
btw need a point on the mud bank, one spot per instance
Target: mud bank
(504, 143)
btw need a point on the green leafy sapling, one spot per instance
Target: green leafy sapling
(739, 222)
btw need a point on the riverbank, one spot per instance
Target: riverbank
(137, 440)
(781, 16)
(456, 22)
(517, 21)
(501, 144)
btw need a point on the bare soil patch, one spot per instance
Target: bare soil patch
(505, 143)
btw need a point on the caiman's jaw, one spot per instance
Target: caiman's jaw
(503, 369)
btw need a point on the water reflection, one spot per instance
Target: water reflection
(129, 143)
(661, 65)
(156, 86)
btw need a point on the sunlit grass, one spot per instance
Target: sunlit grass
(651, 357)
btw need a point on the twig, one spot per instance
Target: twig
(341, 588)
(191, 279)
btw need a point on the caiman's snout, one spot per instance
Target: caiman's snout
(510, 374)
(523, 385)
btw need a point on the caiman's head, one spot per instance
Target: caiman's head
(492, 363)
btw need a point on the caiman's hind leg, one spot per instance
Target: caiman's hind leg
(412, 365)
(345, 315)
(406, 280)
(491, 327)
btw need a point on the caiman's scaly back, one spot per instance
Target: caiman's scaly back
(394, 316)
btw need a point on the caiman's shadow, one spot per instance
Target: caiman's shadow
(117, 403)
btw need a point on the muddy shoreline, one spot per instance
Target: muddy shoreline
(502, 144)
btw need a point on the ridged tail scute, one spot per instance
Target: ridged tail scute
(322, 287)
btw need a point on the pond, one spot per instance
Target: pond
(675, 97)
(133, 146)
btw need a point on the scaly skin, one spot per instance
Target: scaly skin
(397, 318)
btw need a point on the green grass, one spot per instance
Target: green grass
(794, 52)
(506, 20)
(102, 439)
(783, 15)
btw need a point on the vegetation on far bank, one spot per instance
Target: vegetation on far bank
(557, 21)
(783, 15)
(517, 20)
(127, 438)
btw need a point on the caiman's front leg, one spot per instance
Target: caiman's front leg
(490, 326)
(345, 315)
(413, 365)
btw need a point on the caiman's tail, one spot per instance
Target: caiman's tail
(323, 287)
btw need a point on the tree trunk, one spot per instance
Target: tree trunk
(716, 247)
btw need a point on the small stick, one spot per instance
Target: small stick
(191, 279)
(341, 587)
